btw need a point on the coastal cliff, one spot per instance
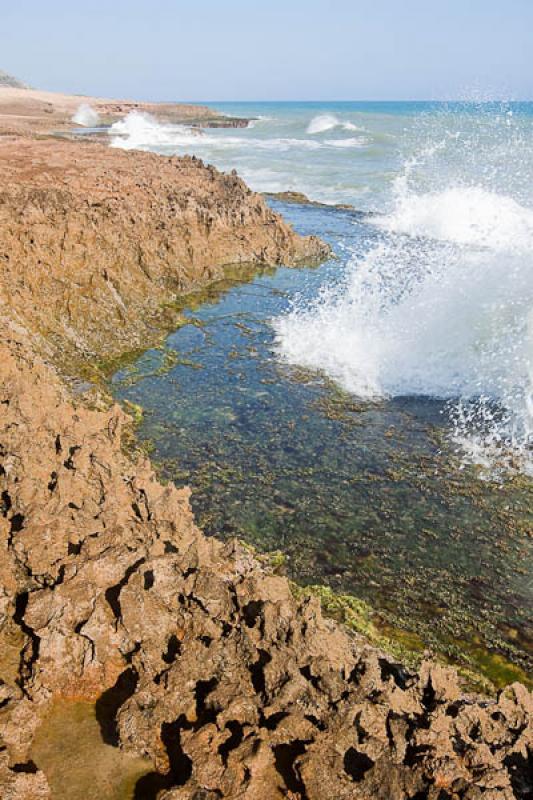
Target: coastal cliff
(202, 673)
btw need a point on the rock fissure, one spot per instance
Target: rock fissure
(30, 651)
(112, 594)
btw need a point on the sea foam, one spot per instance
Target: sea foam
(352, 141)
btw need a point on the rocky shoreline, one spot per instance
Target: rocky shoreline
(92, 236)
(204, 675)
(31, 112)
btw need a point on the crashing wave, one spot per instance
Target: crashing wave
(326, 122)
(441, 305)
(142, 131)
(86, 116)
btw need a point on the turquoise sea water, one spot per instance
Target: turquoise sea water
(373, 417)
(340, 152)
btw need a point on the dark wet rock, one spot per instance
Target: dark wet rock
(299, 198)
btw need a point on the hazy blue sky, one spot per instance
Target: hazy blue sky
(276, 49)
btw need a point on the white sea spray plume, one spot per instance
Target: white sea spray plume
(326, 122)
(139, 130)
(86, 116)
(442, 304)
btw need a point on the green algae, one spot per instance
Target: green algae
(154, 364)
(135, 411)
(491, 667)
(359, 617)
(233, 275)
(170, 316)
(480, 669)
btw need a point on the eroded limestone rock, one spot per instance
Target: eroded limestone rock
(96, 243)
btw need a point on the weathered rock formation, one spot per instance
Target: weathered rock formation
(202, 666)
(95, 243)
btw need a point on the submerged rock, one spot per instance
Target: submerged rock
(299, 198)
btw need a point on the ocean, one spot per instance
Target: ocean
(371, 418)
(443, 304)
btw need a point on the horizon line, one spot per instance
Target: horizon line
(358, 100)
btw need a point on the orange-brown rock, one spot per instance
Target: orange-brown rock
(95, 243)
(208, 679)
(200, 661)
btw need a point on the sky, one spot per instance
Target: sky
(272, 49)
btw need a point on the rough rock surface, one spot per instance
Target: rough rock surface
(198, 659)
(229, 685)
(94, 242)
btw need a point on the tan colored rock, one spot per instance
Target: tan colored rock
(96, 243)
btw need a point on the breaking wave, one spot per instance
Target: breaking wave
(326, 122)
(141, 131)
(86, 116)
(441, 302)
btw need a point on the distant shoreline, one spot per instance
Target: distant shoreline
(30, 111)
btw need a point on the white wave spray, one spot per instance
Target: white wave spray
(86, 116)
(441, 303)
(141, 131)
(326, 122)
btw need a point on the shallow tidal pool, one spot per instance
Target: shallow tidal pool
(368, 498)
